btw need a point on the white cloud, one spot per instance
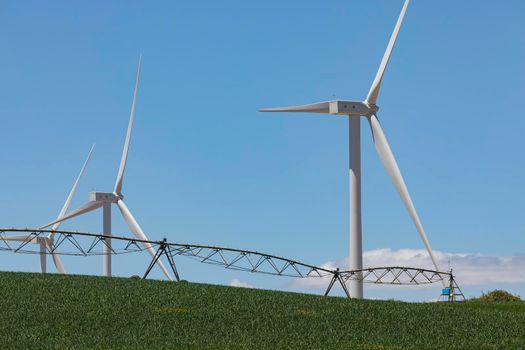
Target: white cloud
(238, 283)
(470, 269)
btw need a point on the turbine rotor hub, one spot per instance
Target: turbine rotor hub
(373, 108)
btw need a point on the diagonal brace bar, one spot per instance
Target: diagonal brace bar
(168, 254)
(164, 248)
(337, 277)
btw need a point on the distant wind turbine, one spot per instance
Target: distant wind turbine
(46, 243)
(105, 199)
(354, 110)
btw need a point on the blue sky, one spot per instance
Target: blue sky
(206, 167)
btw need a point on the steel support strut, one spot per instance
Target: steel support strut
(337, 277)
(165, 249)
(453, 289)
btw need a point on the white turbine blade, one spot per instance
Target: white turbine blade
(376, 85)
(120, 176)
(56, 258)
(73, 190)
(322, 107)
(58, 263)
(139, 234)
(25, 238)
(389, 162)
(89, 206)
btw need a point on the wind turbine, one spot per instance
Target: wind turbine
(105, 199)
(354, 110)
(46, 243)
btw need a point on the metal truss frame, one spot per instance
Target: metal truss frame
(398, 275)
(89, 244)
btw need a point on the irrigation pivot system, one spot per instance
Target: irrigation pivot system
(89, 244)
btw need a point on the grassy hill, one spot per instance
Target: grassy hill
(53, 311)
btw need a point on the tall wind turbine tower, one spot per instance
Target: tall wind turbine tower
(46, 243)
(354, 110)
(105, 199)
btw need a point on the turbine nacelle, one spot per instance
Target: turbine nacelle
(351, 108)
(105, 197)
(337, 107)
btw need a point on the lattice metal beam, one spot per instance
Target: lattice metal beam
(89, 244)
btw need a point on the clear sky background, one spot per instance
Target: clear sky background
(206, 167)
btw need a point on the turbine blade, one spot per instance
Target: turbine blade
(138, 233)
(25, 238)
(73, 190)
(58, 263)
(89, 206)
(321, 107)
(390, 164)
(56, 258)
(122, 168)
(376, 85)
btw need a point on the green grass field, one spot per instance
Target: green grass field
(60, 312)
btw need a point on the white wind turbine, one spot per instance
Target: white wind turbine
(354, 110)
(46, 243)
(105, 199)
